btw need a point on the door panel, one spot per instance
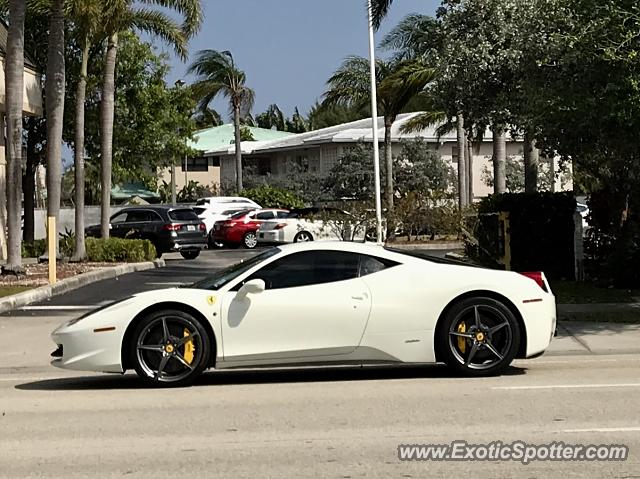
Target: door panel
(314, 320)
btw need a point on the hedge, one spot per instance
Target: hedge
(111, 250)
(542, 232)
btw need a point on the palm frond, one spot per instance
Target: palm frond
(350, 84)
(379, 10)
(413, 37)
(161, 25)
(191, 10)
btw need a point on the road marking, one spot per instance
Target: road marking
(568, 386)
(605, 429)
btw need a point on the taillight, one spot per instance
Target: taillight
(279, 226)
(203, 227)
(171, 227)
(538, 277)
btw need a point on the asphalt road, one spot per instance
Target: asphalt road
(320, 422)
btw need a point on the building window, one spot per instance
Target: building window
(196, 164)
(454, 154)
(329, 159)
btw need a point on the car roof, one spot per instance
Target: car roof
(155, 207)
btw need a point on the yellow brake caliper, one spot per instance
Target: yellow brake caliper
(462, 342)
(189, 348)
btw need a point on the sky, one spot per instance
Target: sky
(289, 48)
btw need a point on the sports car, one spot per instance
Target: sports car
(318, 303)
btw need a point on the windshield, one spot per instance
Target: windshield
(225, 276)
(240, 214)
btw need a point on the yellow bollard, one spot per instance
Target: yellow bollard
(52, 235)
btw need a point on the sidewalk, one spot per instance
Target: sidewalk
(588, 337)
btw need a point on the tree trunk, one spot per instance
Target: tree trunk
(106, 130)
(54, 87)
(29, 184)
(80, 252)
(469, 165)
(238, 140)
(14, 87)
(531, 160)
(462, 174)
(552, 175)
(390, 187)
(499, 160)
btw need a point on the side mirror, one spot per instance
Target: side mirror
(255, 286)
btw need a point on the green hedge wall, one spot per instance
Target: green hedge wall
(112, 250)
(542, 232)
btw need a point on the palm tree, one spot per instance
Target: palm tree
(14, 85)
(272, 118)
(379, 10)
(120, 16)
(207, 118)
(499, 159)
(86, 16)
(398, 83)
(217, 74)
(55, 91)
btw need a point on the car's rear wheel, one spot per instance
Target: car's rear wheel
(250, 240)
(479, 337)
(190, 254)
(302, 237)
(170, 348)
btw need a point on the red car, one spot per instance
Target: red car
(240, 228)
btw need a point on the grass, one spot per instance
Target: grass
(573, 292)
(9, 290)
(628, 317)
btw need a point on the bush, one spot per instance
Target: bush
(542, 232)
(273, 197)
(118, 250)
(34, 249)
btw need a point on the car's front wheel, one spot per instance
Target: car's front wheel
(479, 337)
(190, 254)
(170, 348)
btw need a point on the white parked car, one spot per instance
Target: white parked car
(221, 203)
(323, 303)
(311, 224)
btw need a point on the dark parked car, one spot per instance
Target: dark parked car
(168, 228)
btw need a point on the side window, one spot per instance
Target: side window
(265, 215)
(371, 264)
(137, 216)
(308, 268)
(119, 218)
(282, 214)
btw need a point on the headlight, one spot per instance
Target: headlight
(93, 311)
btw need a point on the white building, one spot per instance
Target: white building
(321, 149)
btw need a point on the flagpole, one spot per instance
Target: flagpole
(374, 118)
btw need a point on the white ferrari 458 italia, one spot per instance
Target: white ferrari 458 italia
(323, 303)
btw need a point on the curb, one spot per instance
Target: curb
(14, 301)
(411, 246)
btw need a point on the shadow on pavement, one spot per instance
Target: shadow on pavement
(266, 376)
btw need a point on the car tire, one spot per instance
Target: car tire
(250, 240)
(161, 355)
(302, 237)
(478, 337)
(190, 254)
